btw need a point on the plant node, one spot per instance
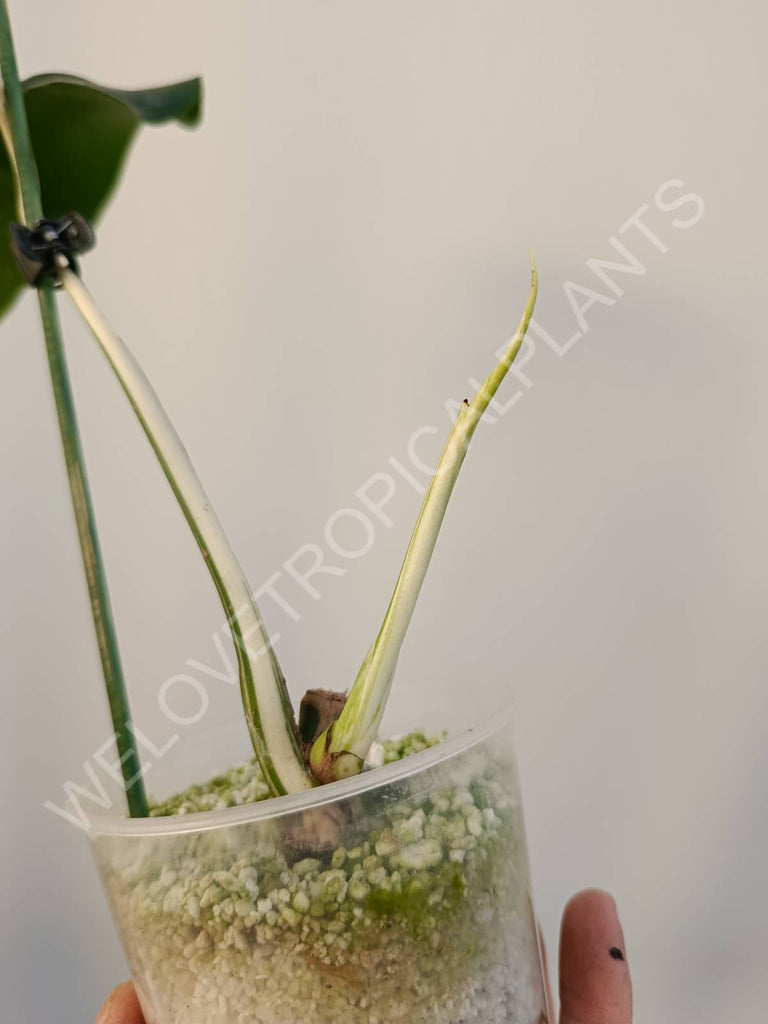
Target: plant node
(328, 765)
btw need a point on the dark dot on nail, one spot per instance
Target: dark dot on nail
(616, 953)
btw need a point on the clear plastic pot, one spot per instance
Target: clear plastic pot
(401, 895)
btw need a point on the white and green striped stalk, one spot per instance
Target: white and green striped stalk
(265, 697)
(342, 748)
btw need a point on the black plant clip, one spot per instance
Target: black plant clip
(41, 250)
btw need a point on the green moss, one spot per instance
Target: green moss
(419, 902)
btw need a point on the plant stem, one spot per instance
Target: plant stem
(268, 709)
(22, 157)
(340, 751)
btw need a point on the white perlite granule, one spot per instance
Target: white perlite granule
(404, 905)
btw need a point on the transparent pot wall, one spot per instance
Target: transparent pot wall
(399, 896)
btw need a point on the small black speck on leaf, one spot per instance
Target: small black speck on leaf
(616, 953)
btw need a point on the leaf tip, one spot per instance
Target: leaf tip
(192, 116)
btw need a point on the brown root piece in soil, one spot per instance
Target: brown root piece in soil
(318, 831)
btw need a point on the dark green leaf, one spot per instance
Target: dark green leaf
(81, 134)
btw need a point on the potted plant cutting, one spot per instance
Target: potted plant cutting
(334, 877)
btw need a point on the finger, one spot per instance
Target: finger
(122, 1007)
(595, 987)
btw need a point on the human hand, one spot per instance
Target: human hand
(594, 978)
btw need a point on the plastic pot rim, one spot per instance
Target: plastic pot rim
(277, 807)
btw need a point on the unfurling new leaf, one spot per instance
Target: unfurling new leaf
(341, 749)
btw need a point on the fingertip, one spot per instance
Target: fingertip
(595, 986)
(590, 901)
(122, 1007)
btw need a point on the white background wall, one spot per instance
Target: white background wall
(307, 279)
